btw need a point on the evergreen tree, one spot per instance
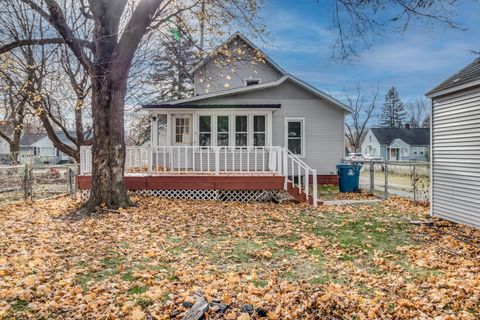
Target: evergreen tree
(171, 73)
(393, 112)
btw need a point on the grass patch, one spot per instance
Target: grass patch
(244, 250)
(144, 302)
(19, 305)
(110, 268)
(128, 276)
(137, 289)
(260, 283)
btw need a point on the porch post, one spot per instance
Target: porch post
(150, 160)
(285, 167)
(217, 161)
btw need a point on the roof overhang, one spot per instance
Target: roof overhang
(210, 106)
(434, 94)
(320, 94)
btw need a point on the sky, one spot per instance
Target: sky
(299, 40)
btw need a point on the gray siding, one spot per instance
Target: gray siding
(219, 74)
(324, 122)
(455, 157)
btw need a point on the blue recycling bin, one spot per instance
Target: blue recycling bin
(349, 177)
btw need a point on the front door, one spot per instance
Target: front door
(394, 154)
(182, 137)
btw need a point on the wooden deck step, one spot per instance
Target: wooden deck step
(299, 195)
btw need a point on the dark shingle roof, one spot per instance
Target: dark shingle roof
(468, 74)
(412, 136)
(27, 138)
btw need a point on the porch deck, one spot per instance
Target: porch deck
(195, 171)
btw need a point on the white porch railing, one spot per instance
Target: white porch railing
(193, 159)
(175, 160)
(298, 173)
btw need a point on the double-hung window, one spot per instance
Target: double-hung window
(259, 131)
(223, 135)
(182, 130)
(295, 135)
(241, 131)
(205, 131)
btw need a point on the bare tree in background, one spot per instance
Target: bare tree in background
(418, 113)
(357, 123)
(356, 23)
(51, 80)
(13, 104)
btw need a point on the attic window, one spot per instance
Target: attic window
(251, 82)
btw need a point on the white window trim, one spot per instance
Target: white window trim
(285, 134)
(415, 151)
(211, 129)
(253, 128)
(249, 126)
(231, 115)
(249, 79)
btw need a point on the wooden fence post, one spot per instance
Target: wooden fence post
(386, 181)
(372, 177)
(414, 176)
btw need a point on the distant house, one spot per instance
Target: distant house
(45, 152)
(398, 144)
(36, 148)
(455, 178)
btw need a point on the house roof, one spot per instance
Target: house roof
(211, 106)
(463, 78)
(62, 137)
(251, 44)
(412, 136)
(27, 138)
(287, 77)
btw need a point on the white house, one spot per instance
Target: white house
(44, 151)
(398, 144)
(250, 132)
(455, 166)
(253, 102)
(37, 148)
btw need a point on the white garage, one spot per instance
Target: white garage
(455, 151)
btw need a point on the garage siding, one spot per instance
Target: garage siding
(456, 157)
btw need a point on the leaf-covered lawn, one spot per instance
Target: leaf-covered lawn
(291, 261)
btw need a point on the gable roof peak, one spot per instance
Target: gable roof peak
(242, 37)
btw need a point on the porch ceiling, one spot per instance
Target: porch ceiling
(211, 106)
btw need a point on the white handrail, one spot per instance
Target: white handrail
(294, 170)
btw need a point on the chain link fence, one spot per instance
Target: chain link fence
(405, 179)
(24, 182)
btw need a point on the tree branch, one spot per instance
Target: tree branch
(56, 18)
(135, 29)
(41, 42)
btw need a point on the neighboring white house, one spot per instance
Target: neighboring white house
(249, 101)
(398, 144)
(37, 148)
(455, 173)
(45, 152)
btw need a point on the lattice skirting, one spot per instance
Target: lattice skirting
(221, 195)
